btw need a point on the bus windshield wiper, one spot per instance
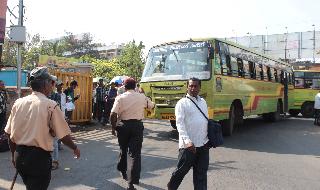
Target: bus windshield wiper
(175, 55)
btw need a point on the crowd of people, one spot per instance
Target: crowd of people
(103, 98)
(35, 140)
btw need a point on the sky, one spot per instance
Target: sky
(155, 22)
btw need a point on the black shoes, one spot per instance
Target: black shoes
(131, 187)
(124, 175)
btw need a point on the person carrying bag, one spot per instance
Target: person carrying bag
(214, 130)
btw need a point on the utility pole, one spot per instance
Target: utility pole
(314, 43)
(265, 42)
(285, 47)
(19, 45)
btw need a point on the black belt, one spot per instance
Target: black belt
(20, 148)
(131, 120)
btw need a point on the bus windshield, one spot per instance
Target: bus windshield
(307, 79)
(177, 62)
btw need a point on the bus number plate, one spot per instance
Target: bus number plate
(168, 116)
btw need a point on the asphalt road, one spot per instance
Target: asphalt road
(260, 155)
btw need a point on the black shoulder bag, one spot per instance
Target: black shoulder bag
(214, 130)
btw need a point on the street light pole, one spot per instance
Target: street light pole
(19, 45)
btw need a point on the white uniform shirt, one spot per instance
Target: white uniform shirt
(317, 101)
(191, 124)
(63, 102)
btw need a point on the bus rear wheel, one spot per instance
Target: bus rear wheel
(228, 124)
(307, 109)
(294, 113)
(173, 124)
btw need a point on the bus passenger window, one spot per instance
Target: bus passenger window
(269, 74)
(240, 67)
(289, 78)
(259, 72)
(299, 83)
(265, 73)
(252, 70)
(282, 77)
(229, 65)
(276, 77)
(246, 70)
(224, 59)
(308, 83)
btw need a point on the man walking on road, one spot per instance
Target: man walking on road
(31, 127)
(193, 138)
(3, 106)
(316, 107)
(129, 107)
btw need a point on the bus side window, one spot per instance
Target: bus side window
(259, 72)
(246, 70)
(299, 82)
(234, 67)
(240, 67)
(224, 60)
(276, 77)
(228, 59)
(272, 74)
(269, 74)
(281, 77)
(265, 73)
(252, 70)
(289, 78)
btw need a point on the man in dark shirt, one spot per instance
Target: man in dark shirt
(100, 98)
(110, 99)
(69, 92)
(3, 106)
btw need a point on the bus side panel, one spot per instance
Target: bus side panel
(303, 95)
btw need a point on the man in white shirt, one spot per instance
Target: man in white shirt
(193, 138)
(316, 107)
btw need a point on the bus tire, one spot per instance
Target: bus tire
(294, 113)
(173, 124)
(307, 109)
(228, 124)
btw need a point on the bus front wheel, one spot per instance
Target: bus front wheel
(307, 109)
(228, 124)
(173, 124)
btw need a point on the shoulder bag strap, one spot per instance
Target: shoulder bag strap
(198, 108)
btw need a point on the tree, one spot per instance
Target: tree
(131, 59)
(77, 46)
(9, 53)
(107, 68)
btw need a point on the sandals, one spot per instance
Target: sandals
(55, 165)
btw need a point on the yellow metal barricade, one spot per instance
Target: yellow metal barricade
(83, 110)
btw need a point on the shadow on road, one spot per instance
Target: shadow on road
(287, 136)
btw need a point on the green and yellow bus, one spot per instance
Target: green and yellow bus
(236, 81)
(306, 86)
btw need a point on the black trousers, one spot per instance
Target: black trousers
(186, 159)
(316, 114)
(109, 105)
(130, 137)
(34, 166)
(3, 122)
(100, 110)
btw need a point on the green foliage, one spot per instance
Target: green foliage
(131, 59)
(129, 63)
(107, 68)
(9, 53)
